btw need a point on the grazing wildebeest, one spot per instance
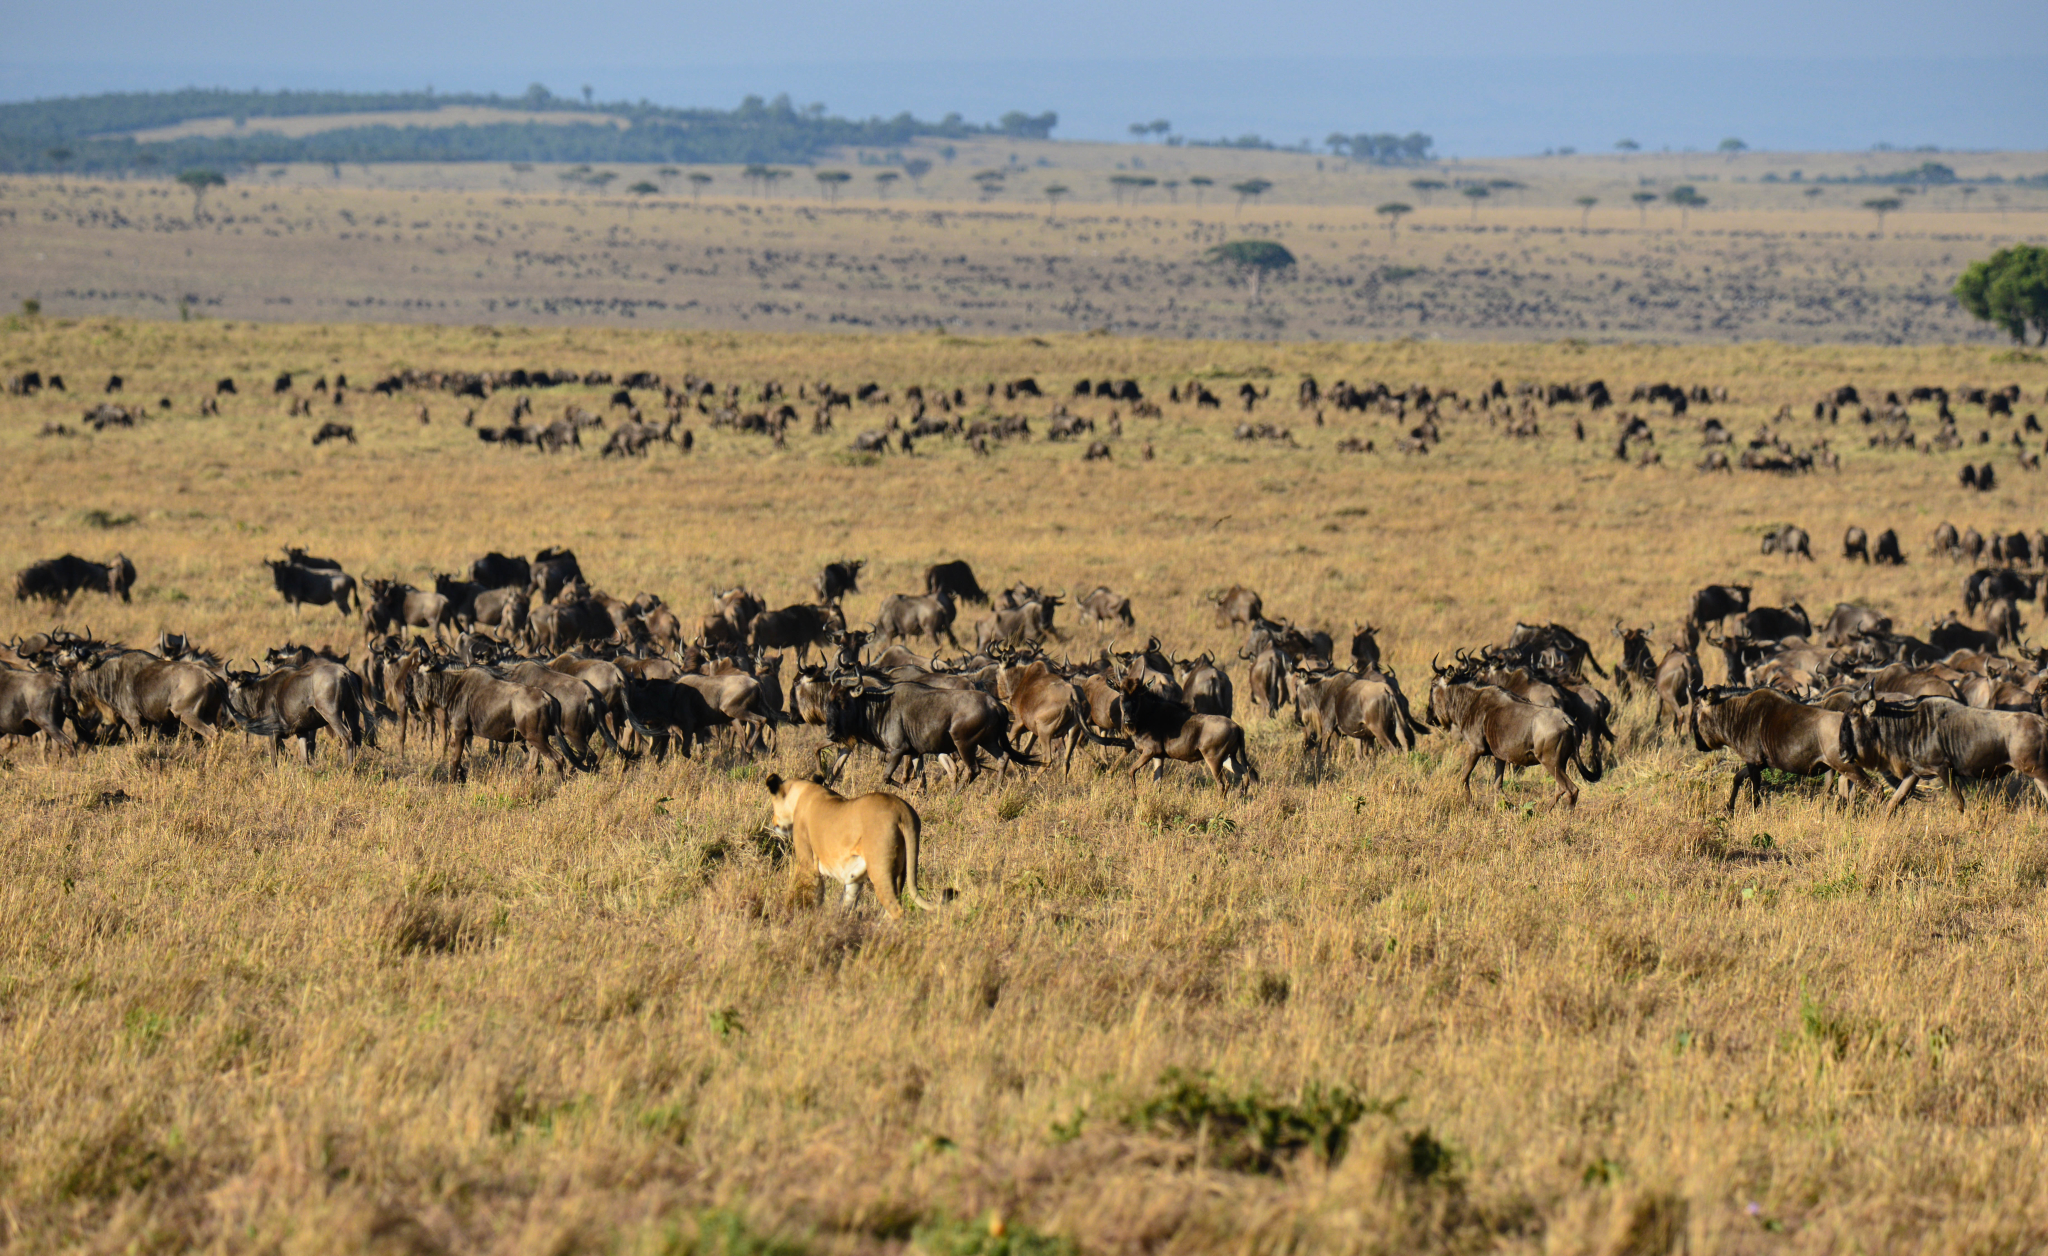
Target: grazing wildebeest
(312, 586)
(871, 838)
(1160, 730)
(552, 569)
(146, 693)
(1497, 725)
(1789, 540)
(1717, 602)
(499, 571)
(797, 627)
(1856, 544)
(35, 701)
(956, 579)
(1766, 729)
(1678, 679)
(928, 616)
(331, 431)
(1935, 739)
(1102, 605)
(1888, 554)
(838, 579)
(475, 703)
(298, 702)
(1237, 607)
(907, 718)
(58, 580)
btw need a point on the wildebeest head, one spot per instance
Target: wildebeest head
(1365, 647)
(120, 576)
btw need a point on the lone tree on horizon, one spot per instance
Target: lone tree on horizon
(830, 181)
(884, 180)
(1643, 202)
(1053, 193)
(1248, 190)
(199, 180)
(1254, 259)
(1585, 204)
(1882, 205)
(2009, 288)
(1423, 187)
(698, 181)
(1392, 211)
(1200, 183)
(917, 168)
(1687, 198)
(1475, 194)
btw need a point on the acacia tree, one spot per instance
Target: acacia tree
(1423, 187)
(1053, 193)
(1249, 189)
(1687, 198)
(884, 181)
(1392, 211)
(1882, 205)
(2010, 289)
(1254, 259)
(830, 181)
(199, 181)
(1643, 202)
(698, 182)
(917, 168)
(1585, 204)
(1200, 183)
(1475, 194)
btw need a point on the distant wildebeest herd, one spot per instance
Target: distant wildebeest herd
(526, 650)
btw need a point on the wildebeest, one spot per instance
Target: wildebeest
(1569, 653)
(551, 569)
(1160, 730)
(1049, 709)
(58, 580)
(928, 616)
(1237, 607)
(1849, 621)
(1775, 623)
(1766, 729)
(1717, 602)
(1365, 648)
(2002, 618)
(504, 609)
(35, 701)
(312, 586)
(389, 605)
(298, 702)
(956, 579)
(1935, 739)
(1637, 663)
(1027, 623)
(1367, 706)
(1947, 542)
(1497, 725)
(334, 431)
(1789, 540)
(871, 838)
(148, 694)
(499, 571)
(798, 627)
(1678, 680)
(907, 718)
(1888, 554)
(1102, 605)
(1856, 544)
(477, 704)
(1992, 584)
(1204, 687)
(838, 579)
(581, 709)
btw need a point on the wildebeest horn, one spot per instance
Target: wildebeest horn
(1435, 665)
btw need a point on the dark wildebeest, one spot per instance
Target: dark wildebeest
(1572, 653)
(390, 606)
(1849, 621)
(1950, 634)
(331, 431)
(1160, 730)
(1365, 648)
(582, 709)
(500, 571)
(1678, 680)
(312, 586)
(298, 702)
(838, 579)
(1637, 663)
(145, 692)
(1992, 584)
(1888, 554)
(475, 703)
(504, 609)
(1775, 623)
(551, 569)
(58, 580)
(1856, 543)
(797, 627)
(1497, 725)
(1205, 687)
(32, 701)
(1717, 602)
(1237, 607)
(1766, 729)
(1935, 739)
(907, 718)
(1947, 542)
(928, 616)
(956, 579)
(1102, 605)
(462, 596)
(298, 557)
(1789, 540)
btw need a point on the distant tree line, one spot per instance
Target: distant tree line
(74, 133)
(1382, 148)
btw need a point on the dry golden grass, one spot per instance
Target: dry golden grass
(256, 1008)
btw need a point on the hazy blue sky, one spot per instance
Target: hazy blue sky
(1482, 75)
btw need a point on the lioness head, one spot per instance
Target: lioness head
(785, 805)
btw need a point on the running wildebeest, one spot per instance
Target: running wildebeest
(1766, 729)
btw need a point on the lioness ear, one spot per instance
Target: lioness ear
(774, 783)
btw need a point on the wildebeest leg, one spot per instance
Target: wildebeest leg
(1955, 789)
(1472, 756)
(458, 749)
(1565, 792)
(1735, 787)
(1903, 792)
(889, 766)
(306, 747)
(1215, 761)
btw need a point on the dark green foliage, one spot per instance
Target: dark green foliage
(2010, 289)
(1251, 1133)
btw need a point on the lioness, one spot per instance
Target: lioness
(873, 836)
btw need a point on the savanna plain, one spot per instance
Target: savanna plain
(256, 1006)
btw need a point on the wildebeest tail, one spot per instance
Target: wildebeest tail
(604, 730)
(1590, 774)
(1088, 730)
(358, 712)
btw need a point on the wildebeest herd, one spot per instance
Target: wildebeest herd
(525, 650)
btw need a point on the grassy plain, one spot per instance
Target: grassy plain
(273, 1009)
(487, 243)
